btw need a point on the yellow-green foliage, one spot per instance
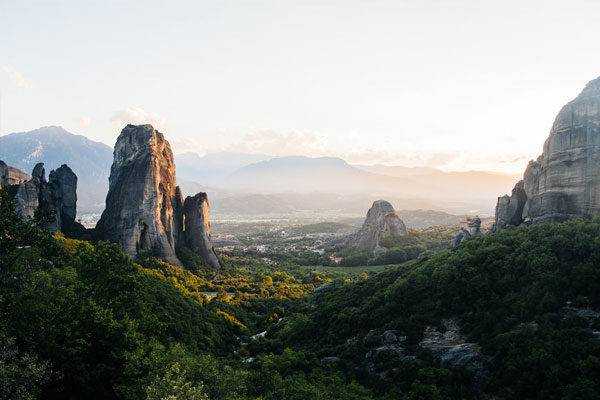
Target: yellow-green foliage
(279, 284)
(72, 245)
(231, 319)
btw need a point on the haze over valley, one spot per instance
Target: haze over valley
(329, 200)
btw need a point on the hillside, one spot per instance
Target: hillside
(519, 308)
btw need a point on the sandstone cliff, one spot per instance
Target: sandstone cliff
(144, 207)
(381, 222)
(564, 182)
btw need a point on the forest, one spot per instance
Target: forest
(82, 320)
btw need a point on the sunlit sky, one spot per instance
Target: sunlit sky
(457, 85)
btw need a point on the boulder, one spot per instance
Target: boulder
(453, 352)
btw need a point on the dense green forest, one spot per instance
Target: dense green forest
(81, 320)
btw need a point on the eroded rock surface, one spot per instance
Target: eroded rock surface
(58, 195)
(454, 352)
(139, 212)
(11, 176)
(381, 222)
(469, 230)
(145, 210)
(197, 228)
(16, 176)
(564, 182)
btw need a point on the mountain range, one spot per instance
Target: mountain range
(54, 146)
(239, 183)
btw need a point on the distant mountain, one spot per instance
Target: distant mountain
(304, 174)
(239, 183)
(213, 167)
(454, 192)
(54, 146)
(396, 170)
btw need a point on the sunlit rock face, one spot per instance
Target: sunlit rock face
(144, 206)
(381, 222)
(197, 228)
(564, 182)
(11, 176)
(139, 212)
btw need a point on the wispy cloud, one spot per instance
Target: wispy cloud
(281, 143)
(136, 116)
(18, 77)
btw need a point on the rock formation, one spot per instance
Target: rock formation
(381, 222)
(469, 230)
(63, 186)
(197, 228)
(564, 182)
(141, 197)
(144, 207)
(58, 195)
(16, 176)
(11, 176)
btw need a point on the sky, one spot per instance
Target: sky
(456, 85)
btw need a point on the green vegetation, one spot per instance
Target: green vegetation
(507, 291)
(84, 321)
(403, 248)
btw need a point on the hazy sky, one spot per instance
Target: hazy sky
(452, 84)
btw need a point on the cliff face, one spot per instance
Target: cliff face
(11, 176)
(197, 228)
(144, 207)
(381, 222)
(139, 212)
(58, 195)
(564, 182)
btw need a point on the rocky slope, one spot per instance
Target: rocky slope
(564, 182)
(381, 222)
(144, 206)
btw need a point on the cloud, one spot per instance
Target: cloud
(136, 116)
(18, 77)
(84, 121)
(281, 144)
